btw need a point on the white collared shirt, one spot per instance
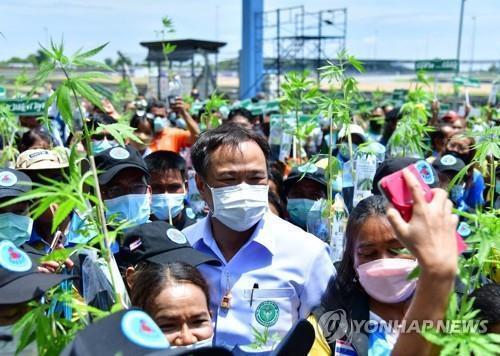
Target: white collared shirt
(291, 267)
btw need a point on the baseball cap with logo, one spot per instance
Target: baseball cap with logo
(41, 159)
(392, 165)
(448, 163)
(115, 159)
(128, 333)
(160, 243)
(13, 183)
(306, 171)
(20, 280)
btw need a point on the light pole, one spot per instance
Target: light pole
(472, 44)
(460, 33)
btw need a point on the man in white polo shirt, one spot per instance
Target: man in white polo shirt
(272, 272)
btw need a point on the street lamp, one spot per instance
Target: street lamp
(460, 32)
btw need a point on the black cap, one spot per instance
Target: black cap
(128, 333)
(306, 171)
(113, 160)
(161, 243)
(448, 163)
(20, 280)
(392, 165)
(13, 183)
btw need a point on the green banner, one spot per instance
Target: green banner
(437, 65)
(25, 107)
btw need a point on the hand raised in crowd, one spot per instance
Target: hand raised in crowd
(430, 234)
(179, 106)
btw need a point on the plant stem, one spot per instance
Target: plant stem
(104, 242)
(329, 189)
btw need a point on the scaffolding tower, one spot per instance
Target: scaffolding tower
(294, 39)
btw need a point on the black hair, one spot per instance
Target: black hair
(225, 135)
(487, 300)
(276, 177)
(137, 120)
(391, 120)
(161, 161)
(28, 139)
(278, 203)
(366, 208)
(150, 279)
(240, 112)
(155, 103)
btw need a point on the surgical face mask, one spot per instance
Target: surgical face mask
(166, 206)
(134, 208)
(241, 206)
(99, 146)
(159, 124)
(197, 345)
(298, 209)
(386, 280)
(15, 228)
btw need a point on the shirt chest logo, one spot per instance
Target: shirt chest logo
(267, 313)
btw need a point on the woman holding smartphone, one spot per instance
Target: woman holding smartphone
(372, 284)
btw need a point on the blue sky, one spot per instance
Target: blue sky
(376, 28)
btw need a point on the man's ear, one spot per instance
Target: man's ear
(129, 276)
(200, 185)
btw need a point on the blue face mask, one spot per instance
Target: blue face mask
(159, 124)
(134, 208)
(164, 206)
(99, 146)
(15, 228)
(298, 210)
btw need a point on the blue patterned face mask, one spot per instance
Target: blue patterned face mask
(134, 208)
(99, 146)
(298, 210)
(164, 206)
(15, 228)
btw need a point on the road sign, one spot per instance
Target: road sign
(25, 107)
(437, 65)
(467, 82)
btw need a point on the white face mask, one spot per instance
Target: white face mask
(197, 345)
(241, 206)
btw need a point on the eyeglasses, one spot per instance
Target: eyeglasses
(115, 192)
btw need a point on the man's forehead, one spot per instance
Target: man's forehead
(167, 175)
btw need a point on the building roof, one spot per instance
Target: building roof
(184, 49)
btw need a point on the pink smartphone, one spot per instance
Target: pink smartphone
(396, 191)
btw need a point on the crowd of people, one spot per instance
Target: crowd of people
(225, 243)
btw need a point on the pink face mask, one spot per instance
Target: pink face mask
(385, 279)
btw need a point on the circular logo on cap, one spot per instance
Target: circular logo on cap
(12, 258)
(267, 313)
(464, 229)
(307, 168)
(7, 179)
(448, 160)
(425, 171)
(119, 153)
(176, 236)
(139, 328)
